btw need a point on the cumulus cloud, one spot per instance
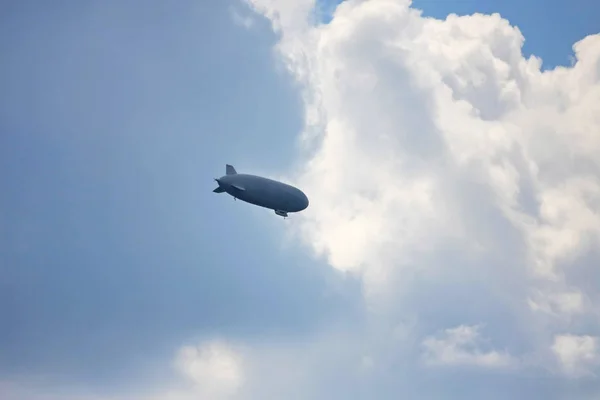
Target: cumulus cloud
(439, 159)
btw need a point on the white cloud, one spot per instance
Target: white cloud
(461, 346)
(439, 158)
(576, 353)
(215, 368)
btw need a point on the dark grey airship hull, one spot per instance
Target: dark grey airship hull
(263, 192)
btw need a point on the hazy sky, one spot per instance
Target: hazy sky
(451, 246)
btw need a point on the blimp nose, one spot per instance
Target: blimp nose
(305, 201)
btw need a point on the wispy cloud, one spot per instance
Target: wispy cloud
(240, 18)
(461, 346)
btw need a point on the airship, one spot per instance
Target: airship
(260, 191)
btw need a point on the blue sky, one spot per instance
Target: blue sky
(114, 119)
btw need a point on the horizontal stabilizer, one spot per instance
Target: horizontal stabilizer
(238, 187)
(229, 170)
(219, 190)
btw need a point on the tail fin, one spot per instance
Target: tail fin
(229, 170)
